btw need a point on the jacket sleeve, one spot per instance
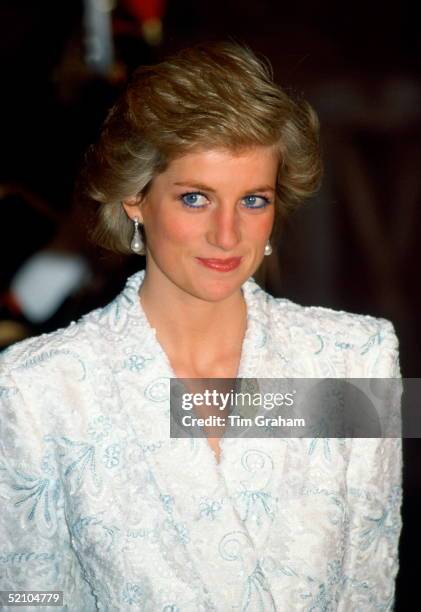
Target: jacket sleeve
(374, 488)
(35, 545)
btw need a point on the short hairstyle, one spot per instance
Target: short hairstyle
(215, 95)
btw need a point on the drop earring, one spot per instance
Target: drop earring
(136, 244)
(268, 248)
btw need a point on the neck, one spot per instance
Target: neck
(199, 337)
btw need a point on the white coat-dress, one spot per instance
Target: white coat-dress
(98, 501)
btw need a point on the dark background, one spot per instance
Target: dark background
(353, 247)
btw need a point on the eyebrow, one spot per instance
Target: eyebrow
(202, 187)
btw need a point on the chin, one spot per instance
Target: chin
(216, 290)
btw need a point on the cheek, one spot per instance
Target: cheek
(260, 226)
(174, 228)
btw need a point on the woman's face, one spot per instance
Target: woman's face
(207, 218)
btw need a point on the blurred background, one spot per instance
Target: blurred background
(353, 247)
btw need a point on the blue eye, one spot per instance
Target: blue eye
(193, 199)
(255, 201)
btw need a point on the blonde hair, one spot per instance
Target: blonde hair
(217, 95)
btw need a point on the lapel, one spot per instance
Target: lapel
(252, 467)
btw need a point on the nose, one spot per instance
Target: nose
(224, 228)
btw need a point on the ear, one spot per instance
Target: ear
(132, 206)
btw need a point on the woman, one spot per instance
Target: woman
(197, 159)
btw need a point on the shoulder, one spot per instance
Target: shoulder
(358, 329)
(62, 363)
(318, 319)
(50, 385)
(85, 338)
(78, 360)
(41, 349)
(336, 335)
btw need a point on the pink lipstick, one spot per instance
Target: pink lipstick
(221, 265)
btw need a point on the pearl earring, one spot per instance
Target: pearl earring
(268, 248)
(136, 244)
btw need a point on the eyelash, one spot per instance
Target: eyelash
(266, 200)
(191, 193)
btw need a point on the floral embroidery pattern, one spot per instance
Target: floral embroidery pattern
(374, 339)
(78, 459)
(99, 428)
(136, 363)
(111, 456)
(253, 599)
(134, 594)
(209, 508)
(36, 494)
(104, 533)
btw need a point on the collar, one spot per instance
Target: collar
(256, 336)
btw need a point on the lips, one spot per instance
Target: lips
(222, 265)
